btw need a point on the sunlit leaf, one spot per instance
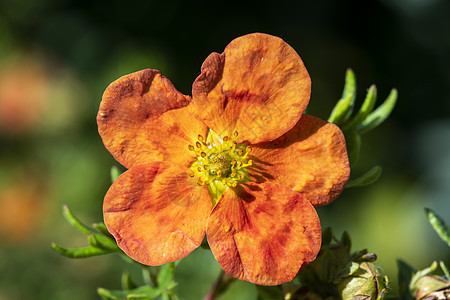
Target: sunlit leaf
(379, 115)
(365, 109)
(344, 107)
(438, 225)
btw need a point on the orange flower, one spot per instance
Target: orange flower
(237, 161)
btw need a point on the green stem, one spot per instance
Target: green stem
(219, 286)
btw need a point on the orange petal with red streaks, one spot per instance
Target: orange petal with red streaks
(157, 212)
(258, 87)
(143, 118)
(263, 233)
(311, 158)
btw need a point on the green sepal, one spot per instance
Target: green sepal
(438, 225)
(344, 107)
(143, 292)
(114, 173)
(270, 292)
(370, 177)
(405, 273)
(380, 114)
(81, 252)
(366, 108)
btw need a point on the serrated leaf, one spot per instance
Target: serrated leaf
(166, 275)
(270, 292)
(81, 252)
(370, 177)
(366, 108)
(344, 107)
(143, 292)
(438, 225)
(405, 272)
(379, 115)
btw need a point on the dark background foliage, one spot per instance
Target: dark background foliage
(57, 57)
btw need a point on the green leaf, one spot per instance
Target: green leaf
(143, 292)
(101, 241)
(270, 292)
(370, 177)
(379, 115)
(114, 173)
(444, 269)
(405, 272)
(353, 140)
(74, 221)
(127, 282)
(96, 239)
(365, 109)
(345, 240)
(102, 228)
(344, 107)
(438, 225)
(327, 236)
(81, 252)
(166, 275)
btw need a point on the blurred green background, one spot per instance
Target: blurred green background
(57, 57)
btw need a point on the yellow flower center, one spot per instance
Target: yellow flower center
(220, 163)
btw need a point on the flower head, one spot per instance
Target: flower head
(237, 161)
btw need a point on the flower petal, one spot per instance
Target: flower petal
(258, 87)
(311, 158)
(157, 212)
(263, 233)
(143, 118)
